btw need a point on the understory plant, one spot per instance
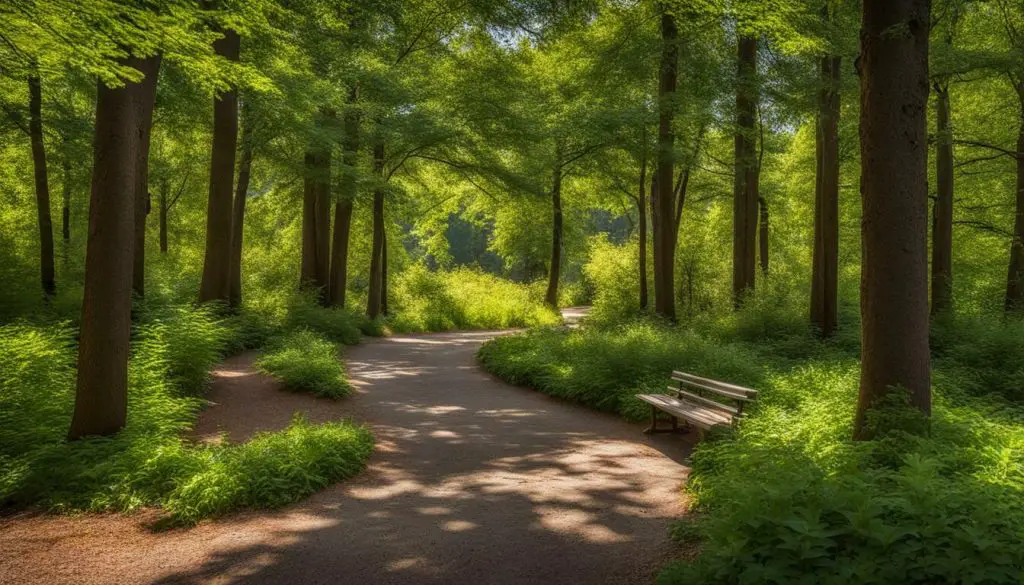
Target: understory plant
(306, 362)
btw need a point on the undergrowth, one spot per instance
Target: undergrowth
(307, 362)
(149, 463)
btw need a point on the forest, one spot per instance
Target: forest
(326, 229)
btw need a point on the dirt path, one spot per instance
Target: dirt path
(473, 481)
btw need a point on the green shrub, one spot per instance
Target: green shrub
(340, 325)
(307, 362)
(148, 463)
(464, 299)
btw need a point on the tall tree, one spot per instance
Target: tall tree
(825, 269)
(664, 209)
(343, 206)
(373, 299)
(555, 266)
(35, 131)
(216, 283)
(238, 208)
(894, 192)
(745, 185)
(144, 103)
(316, 208)
(101, 393)
(1015, 275)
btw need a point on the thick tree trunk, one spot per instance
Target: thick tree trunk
(762, 234)
(664, 228)
(942, 235)
(641, 210)
(373, 300)
(238, 211)
(555, 266)
(165, 204)
(144, 104)
(65, 211)
(216, 282)
(316, 220)
(825, 270)
(1015, 276)
(343, 207)
(745, 188)
(307, 272)
(35, 130)
(101, 395)
(894, 192)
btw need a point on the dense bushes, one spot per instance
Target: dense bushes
(149, 463)
(789, 497)
(464, 299)
(307, 362)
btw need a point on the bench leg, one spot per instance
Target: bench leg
(654, 422)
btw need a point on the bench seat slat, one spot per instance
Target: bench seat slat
(691, 397)
(695, 413)
(727, 390)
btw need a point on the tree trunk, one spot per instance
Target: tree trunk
(942, 235)
(384, 272)
(101, 393)
(825, 270)
(745, 189)
(762, 234)
(144, 104)
(65, 211)
(1015, 276)
(641, 210)
(35, 130)
(238, 211)
(664, 232)
(307, 273)
(555, 267)
(343, 207)
(894, 193)
(216, 282)
(316, 226)
(164, 208)
(373, 299)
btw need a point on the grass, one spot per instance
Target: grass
(149, 463)
(306, 362)
(788, 497)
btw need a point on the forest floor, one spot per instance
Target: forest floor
(473, 481)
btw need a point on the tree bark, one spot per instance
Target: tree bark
(144, 104)
(1015, 275)
(641, 210)
(555, 267)
(165, 206)
(65, 211)
(664, 228)
(762, 233)
(216, 283)
(343, 207)
(745, 188)
(384, 272)
(825, 269)
(35, 130)
(894, 192)
(316, 226)
(942, 235)
(373, 300)
(101, 392)
(238, 211)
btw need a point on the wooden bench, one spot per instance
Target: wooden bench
(701, 402)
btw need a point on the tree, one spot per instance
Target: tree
(894, 228)
(216, 282)
(343, 206)
(663, 211)
(745, 188)
(238, 208)
(35, 130)
(144, 103)
(101, 393)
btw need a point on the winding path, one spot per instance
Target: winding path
(473, 481)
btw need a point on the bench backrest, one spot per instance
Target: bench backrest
(710, 392)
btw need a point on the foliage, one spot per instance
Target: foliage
(150, 463)
(465, 299)
(306, 361)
